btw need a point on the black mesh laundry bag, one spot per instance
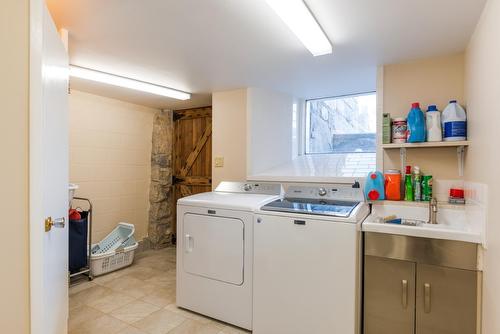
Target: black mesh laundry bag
(78, 232)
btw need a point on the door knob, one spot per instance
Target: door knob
(58, 222)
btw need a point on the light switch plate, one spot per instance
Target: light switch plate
(219, 161)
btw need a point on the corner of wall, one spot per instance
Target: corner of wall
(482, 78)
(380, 112)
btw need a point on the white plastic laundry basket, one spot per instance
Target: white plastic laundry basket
(115, 251)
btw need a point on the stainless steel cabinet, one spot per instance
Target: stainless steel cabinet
(446, 300)
(389, 296)
(420, 286)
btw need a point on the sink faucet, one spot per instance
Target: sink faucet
(433, 209)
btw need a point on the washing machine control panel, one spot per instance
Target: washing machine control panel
(326, 192)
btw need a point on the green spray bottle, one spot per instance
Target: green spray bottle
(408, 185)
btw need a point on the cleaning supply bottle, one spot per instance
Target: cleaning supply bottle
(417, 184)
(393, 185)
(433, 121)
(454, 121)
(408, 185)
(416, 124)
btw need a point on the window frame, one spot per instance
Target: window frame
(306, 121)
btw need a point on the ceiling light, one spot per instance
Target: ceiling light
(115, 80)
(300, 20)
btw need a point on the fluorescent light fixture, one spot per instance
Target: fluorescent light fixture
(301, 22)
(116, 80)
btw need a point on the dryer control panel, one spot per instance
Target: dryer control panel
(250, 188)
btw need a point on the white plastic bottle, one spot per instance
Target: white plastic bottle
(433, 122)
(454, 121)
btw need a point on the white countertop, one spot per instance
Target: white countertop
(452, 220)
(324, 168)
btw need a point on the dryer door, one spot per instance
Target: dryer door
(214, 247)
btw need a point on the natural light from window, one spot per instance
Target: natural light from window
(344, 127)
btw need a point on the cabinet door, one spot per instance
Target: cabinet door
(446, 300)
(389, 296)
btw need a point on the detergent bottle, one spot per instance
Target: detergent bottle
(433, 120)
(374, 186)
(416, 124)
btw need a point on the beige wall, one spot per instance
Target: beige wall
(483, 160)
(110, 159)
(14, 247)
(428, 81)
(229, 139)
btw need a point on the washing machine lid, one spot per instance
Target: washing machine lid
(314, 207)
(330, 200)
(231, 201)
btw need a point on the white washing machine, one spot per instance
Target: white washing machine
(215, 250)
(307, 261)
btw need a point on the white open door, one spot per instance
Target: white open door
(48, 174)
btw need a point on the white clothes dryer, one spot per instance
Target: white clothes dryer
(215, 250)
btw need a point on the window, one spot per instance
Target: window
(344, 124)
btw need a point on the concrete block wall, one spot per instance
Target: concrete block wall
(110, 159)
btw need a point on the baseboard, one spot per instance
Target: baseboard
(143, 246)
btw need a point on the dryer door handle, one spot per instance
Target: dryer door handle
(188, 243)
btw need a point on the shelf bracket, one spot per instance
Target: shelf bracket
(402, 157)
(460, 159)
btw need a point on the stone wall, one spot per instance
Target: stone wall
(161, 213)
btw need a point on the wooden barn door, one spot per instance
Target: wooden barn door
(192, 152)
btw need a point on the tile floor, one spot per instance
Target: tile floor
(139, 299)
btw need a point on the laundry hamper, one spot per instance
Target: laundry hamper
(115, 251)
(78, 242)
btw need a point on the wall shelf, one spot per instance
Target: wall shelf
(426, 144)
(459, 145)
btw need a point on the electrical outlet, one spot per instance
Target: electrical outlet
(219, 161)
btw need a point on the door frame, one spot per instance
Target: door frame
(35, 174)
(35, 163)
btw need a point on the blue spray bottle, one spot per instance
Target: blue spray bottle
(416, 124)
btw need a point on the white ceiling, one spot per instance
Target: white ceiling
(202, 46)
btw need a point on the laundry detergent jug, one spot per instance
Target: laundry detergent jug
(454, 121)
(433, 120)
(416, 124)
(374, 186)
